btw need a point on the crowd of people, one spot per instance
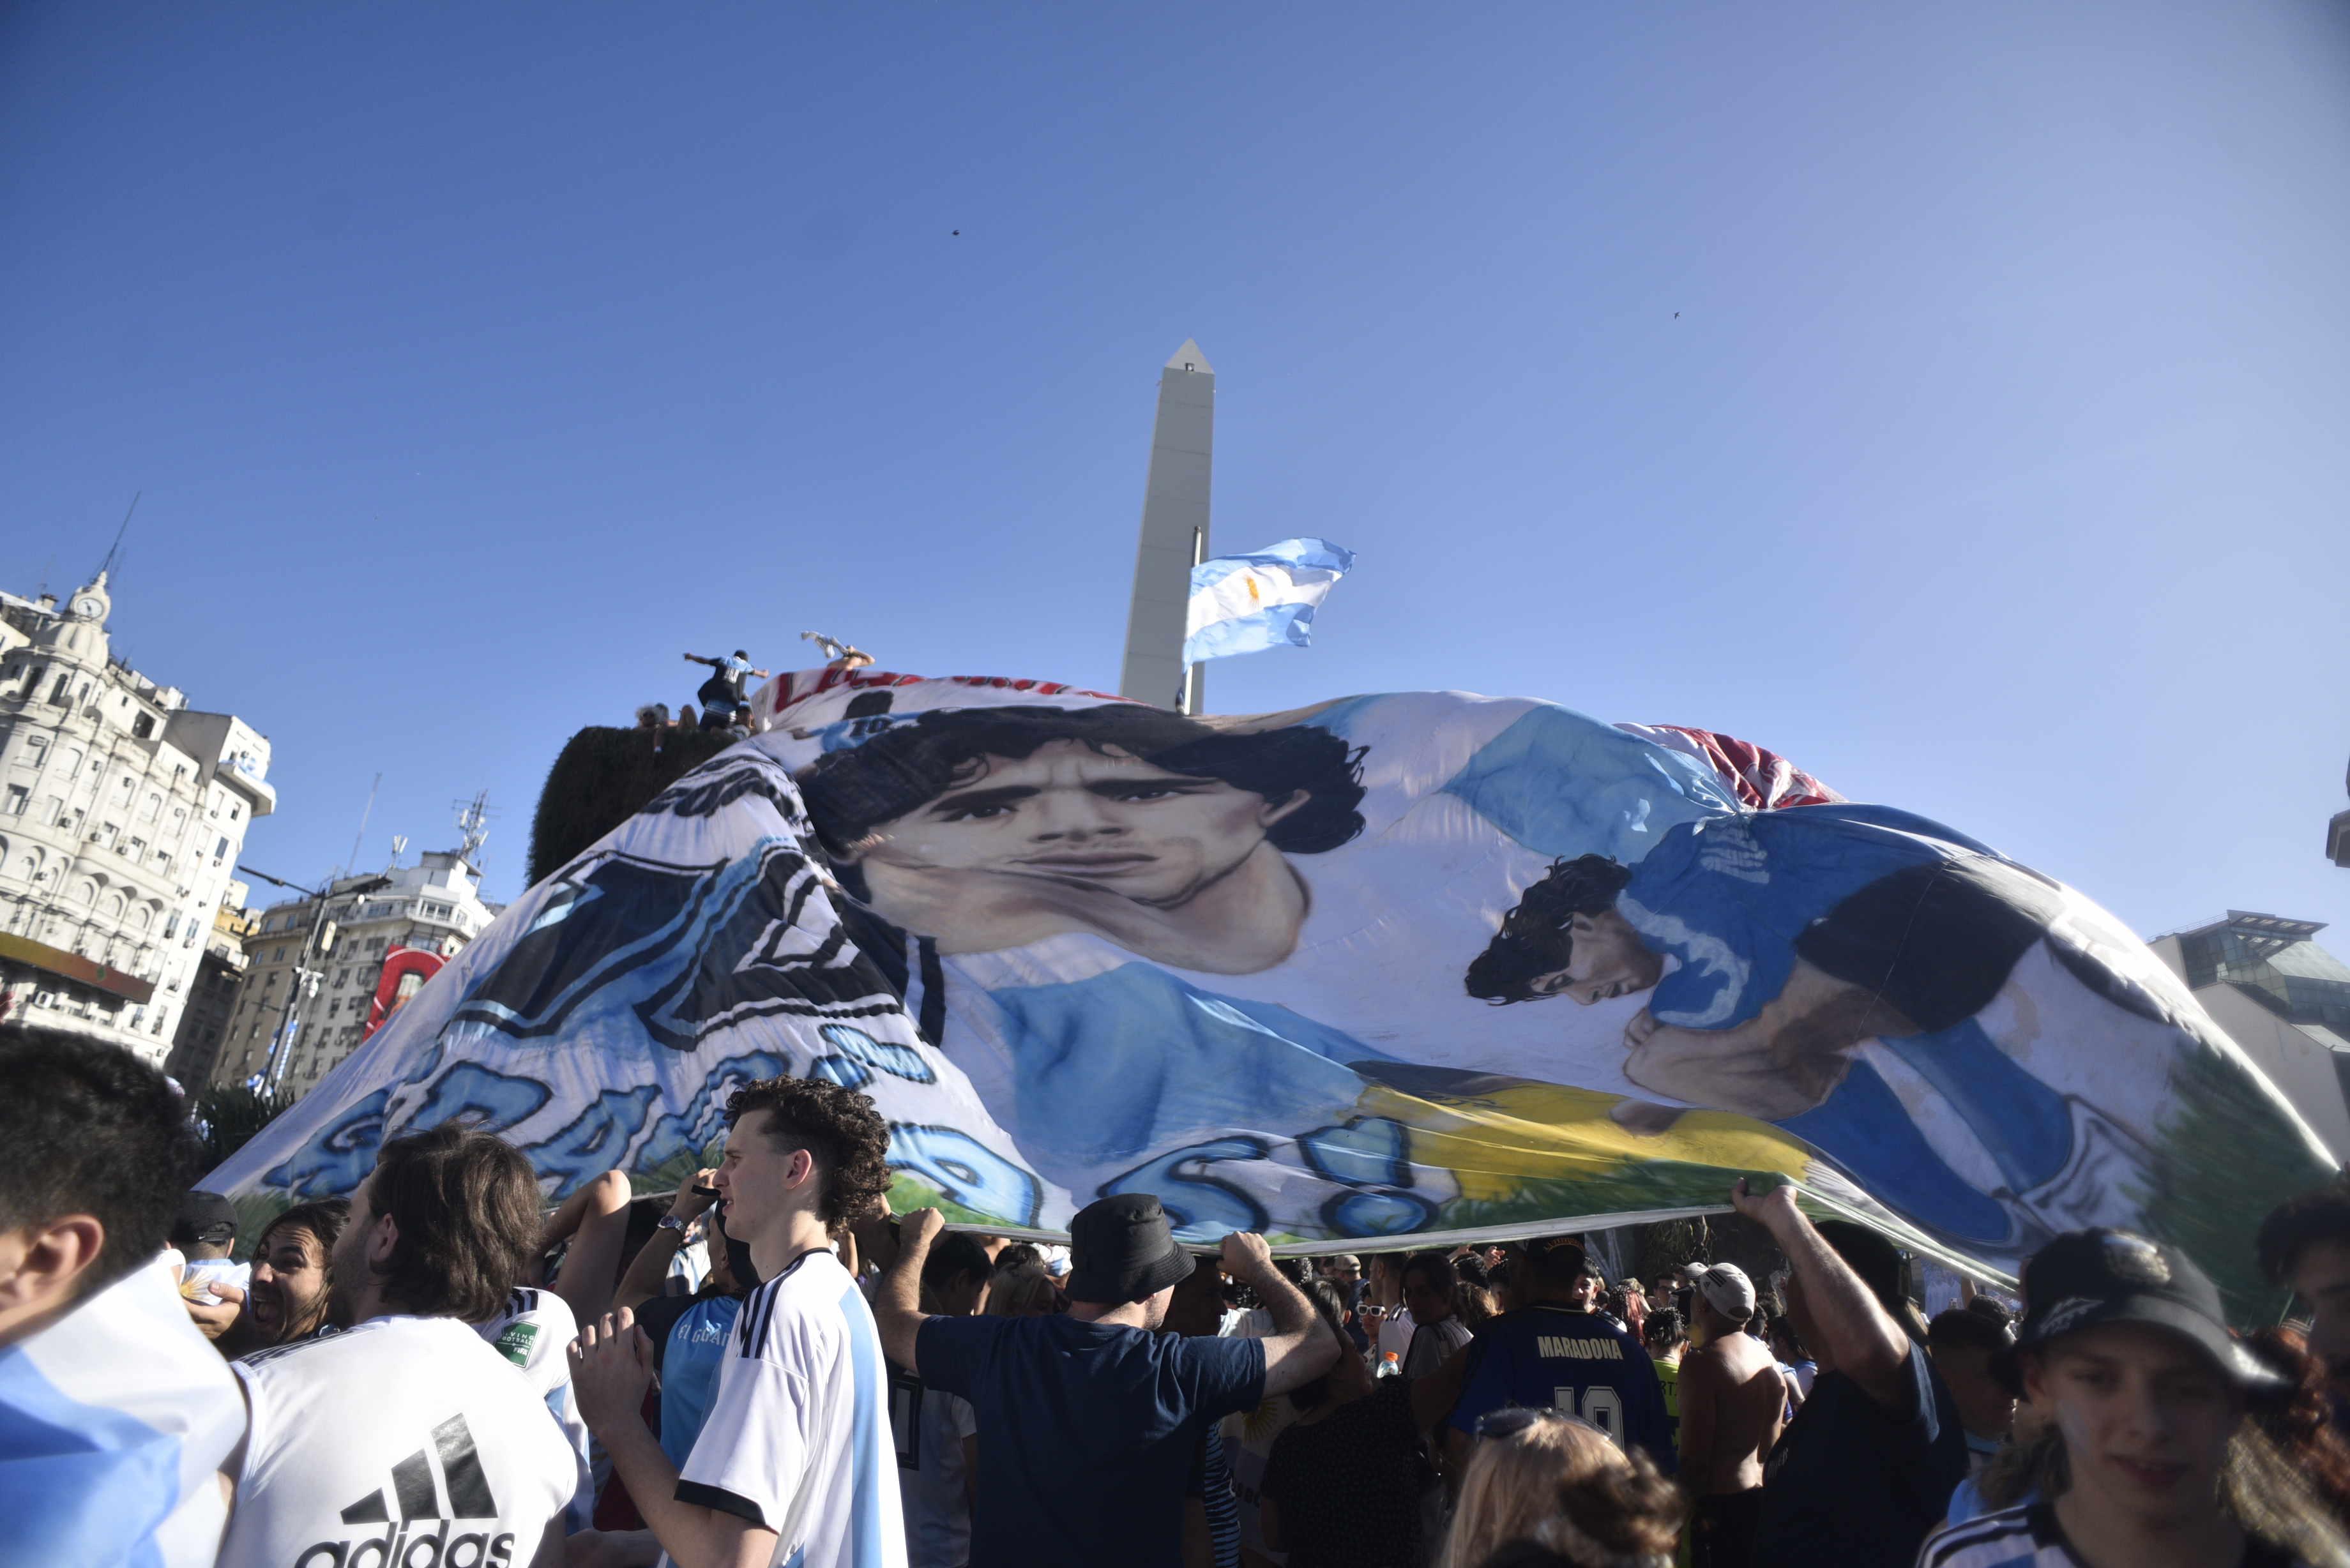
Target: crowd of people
(766, 1367)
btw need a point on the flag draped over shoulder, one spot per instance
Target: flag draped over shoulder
(1245, 604)
(1412, 965)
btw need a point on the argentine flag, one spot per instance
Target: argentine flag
(1245, 604)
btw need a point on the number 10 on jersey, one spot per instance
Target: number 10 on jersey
(1600, 1407)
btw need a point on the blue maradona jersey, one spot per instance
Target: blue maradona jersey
(1553, 1357)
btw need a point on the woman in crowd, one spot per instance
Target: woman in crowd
(1023, 1290)
(1472, 1298)
(1557, 1482)
(1347, 1484)
(1430, 1286)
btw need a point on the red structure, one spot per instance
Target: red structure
(405, 970)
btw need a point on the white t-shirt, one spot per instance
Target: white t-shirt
(534, 1331)
(799, 1436)
(398, 1432)
(1395, 1335)
(1433, 1345)
(929, 1425)
(113, 1420)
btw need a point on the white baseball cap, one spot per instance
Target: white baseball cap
(1727, 1290)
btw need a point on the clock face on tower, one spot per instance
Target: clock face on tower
(89, 606)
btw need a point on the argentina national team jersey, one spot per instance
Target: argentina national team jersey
(113, 1421)
(2029, 1537)
(798, 1440)
(535, 1330)
(1553, 1357)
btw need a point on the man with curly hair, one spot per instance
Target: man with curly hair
(794, 1462)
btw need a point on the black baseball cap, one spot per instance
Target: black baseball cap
(205, 1218)
(2088, 1279)
(1121, 1249)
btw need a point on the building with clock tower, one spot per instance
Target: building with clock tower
(122, 814)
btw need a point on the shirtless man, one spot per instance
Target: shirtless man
(1731, 1399)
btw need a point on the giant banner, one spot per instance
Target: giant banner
(1422, 964)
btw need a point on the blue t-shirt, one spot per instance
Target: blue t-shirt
(1851, 1483)
(1729, 896)
(1546, 1357)
(696, 1350)
(1086, 1431)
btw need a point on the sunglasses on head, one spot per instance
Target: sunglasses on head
(1510, 1419)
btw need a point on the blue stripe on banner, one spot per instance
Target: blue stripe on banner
(865, 1445)
(1269, 628)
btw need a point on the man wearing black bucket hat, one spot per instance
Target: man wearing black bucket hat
(2124, 1345)
(1088, 1420)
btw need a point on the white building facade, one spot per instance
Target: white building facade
(312, 987)
(123, 812)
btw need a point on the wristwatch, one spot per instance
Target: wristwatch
(670, 1222)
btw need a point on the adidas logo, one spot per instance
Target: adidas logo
(408, 1542)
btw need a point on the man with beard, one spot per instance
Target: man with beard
(285, 1299)
(405, 1428)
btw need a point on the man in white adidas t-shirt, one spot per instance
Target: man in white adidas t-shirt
(405, 1439)
(796, 1463)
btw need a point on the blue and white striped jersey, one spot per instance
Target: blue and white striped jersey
(798, 1438)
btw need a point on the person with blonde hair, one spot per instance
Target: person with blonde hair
(1023, 1290)
(1560, 1482)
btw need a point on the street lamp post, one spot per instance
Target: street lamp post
(305, 979)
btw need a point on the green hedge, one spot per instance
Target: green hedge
(603, 777)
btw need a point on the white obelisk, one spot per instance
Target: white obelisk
(1174, 535)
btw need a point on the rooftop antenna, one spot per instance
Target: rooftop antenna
(363, 822)
(399, 848)
(103, 569)
(473, 821)
(43, 591)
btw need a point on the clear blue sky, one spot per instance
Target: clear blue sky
(477, 360)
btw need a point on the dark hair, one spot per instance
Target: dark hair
(465, 1205)
(838, 1127)
(1554, 1263)
(1533, 940)
(853, 791)
(1783, 1327)
(91, 1129)
(1329, 1303)
(1019, 1254)
(1992, 1308)
(1472, 1269)
(1880, 1266)
(323, 1218)
(2303, 1425)
(1664, 1326)
(1442, 1277)
(958, 1252)
(738, 653)
(1958, 1329)
(2319, 1214)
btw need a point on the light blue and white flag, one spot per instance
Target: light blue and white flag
(1245, 604)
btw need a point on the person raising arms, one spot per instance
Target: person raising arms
(1089, 1420)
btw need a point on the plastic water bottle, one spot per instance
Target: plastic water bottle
(1391, 1365)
